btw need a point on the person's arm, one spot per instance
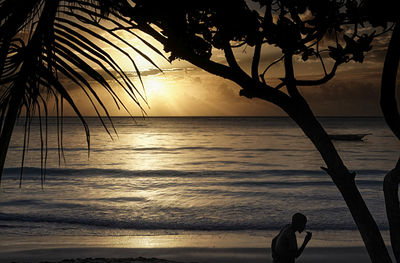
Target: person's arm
(306, 240)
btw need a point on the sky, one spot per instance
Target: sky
(182, 89)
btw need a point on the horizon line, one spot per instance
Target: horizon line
(211, 116)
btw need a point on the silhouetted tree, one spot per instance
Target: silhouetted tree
(392, 117)
(194, 29)
(54, 45)
(43, 42)
(382, 14)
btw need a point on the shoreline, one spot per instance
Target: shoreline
(202, 247)
(200, 255)
(175, 239)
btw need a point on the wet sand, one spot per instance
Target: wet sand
(201, 247)
(160, 255)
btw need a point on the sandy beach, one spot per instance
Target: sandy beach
(206, 255)
(183, 247)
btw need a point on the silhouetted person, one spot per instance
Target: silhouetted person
(284, 245)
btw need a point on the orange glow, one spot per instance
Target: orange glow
(184, 90)
(155, 87)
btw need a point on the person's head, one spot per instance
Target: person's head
(299, 222)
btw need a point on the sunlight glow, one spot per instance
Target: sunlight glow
(155, 87)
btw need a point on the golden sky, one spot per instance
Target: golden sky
(184, 90)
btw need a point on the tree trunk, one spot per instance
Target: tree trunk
(388, 84)
(344, 180)
(391, 191)
(392, 118)
(8, 127)
(366, 224)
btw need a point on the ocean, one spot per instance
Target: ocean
(188, 174)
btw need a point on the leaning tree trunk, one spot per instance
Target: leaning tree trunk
(344, 181)
(392, 118)
(391, 191)
(388, 83)
(301, 113)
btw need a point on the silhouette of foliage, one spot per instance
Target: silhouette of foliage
(297, 27)
(193, 30)
(43, 42)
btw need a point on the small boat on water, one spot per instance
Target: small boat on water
(348, 137)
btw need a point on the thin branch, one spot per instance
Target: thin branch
(239, 45)
(281, 85)
(384, 31)
(290, 79)
(256, 61)
(318, 54)
(320, 81)
(230, 57)
(269, 66)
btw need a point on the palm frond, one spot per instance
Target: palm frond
(43, 42)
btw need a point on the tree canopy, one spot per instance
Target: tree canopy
(43, 39)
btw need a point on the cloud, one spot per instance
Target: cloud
(351, 93)
(187, 90)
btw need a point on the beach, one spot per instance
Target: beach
(112, 255)
(181, 254)
(186, 247)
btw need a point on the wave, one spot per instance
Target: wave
(301, 183)
(132, 149)
(88, 172)
(10, 220)
(160, 149)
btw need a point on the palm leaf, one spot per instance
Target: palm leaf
(44, 41)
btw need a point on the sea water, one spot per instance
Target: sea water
(201, 174)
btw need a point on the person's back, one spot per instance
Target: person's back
(284, 245)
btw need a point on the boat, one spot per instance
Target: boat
(348, 137)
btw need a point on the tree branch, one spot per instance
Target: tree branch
(262, 76)
(256, 61)
(280, 85)
(323, 80)
(232, 72)
(267, 93)
(239, 45)
(290, 80)
(318, 54)
(230, 57)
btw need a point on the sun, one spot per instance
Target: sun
(155, 87)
